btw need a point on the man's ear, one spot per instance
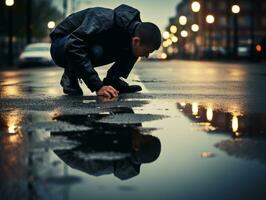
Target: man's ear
(136, 40)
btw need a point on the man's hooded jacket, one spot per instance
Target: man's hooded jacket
(110, 29)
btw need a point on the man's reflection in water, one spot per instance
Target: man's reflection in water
(108, 148)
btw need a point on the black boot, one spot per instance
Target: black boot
(121, 85)
(69, 82)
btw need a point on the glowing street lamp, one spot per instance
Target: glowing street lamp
(51, 24)
(184, 33)
(195, 6)
(163, 56)
(166, 35)
(235, 10)
(165, 44)
(173, 29)
(9, 4)
(174, 39)
(169, 42)
(182, 20)
(210, 19)
(195, 27)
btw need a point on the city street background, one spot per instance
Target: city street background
(195, 131)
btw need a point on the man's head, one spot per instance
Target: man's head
(146, 39)
(146, 148)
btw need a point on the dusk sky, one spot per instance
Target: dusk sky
(156, 11)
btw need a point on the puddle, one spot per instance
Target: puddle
(99, 155)
(63, 180)
(109, 148)
(207, 154)
(235, 124)
(102, 141)
(248, 149)
(79, 149)
(127, 188)
(54, 127)
(129, 118)
(56, 143)
(246, 130)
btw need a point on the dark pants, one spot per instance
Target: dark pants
(96, 53)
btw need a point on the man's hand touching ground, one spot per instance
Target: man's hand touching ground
(107, 91)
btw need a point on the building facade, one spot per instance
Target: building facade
(210, 28)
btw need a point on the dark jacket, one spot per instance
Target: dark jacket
(111, 29)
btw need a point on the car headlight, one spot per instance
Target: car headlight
(21, 57)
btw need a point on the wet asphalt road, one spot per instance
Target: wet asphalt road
(196, 131)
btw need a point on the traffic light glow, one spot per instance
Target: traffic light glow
(258, 48)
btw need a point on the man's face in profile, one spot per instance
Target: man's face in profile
(139, 49)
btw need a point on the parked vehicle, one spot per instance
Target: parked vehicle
(36, 54)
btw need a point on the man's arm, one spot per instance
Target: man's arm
(122, 66)
(77, 45)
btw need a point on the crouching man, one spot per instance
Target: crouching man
(98, 36)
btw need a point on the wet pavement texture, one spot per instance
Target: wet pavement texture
(196, 131)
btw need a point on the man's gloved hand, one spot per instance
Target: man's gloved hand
(107, 91)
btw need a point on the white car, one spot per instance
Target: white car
(36, 54)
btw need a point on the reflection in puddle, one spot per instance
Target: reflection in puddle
(29, 143)
(195, 109)
(207, 154)
(108, 148)
(13, 119)
(10, 84)
(218, 121)
(248, 149)
(235, 125)
(248, 131)
(209, 113)
(13, 150)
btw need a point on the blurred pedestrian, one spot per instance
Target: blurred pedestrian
(98, 36)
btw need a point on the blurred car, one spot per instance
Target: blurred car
(36, 54)
(206, 53)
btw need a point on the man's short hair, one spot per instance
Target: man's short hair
(149, 34)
